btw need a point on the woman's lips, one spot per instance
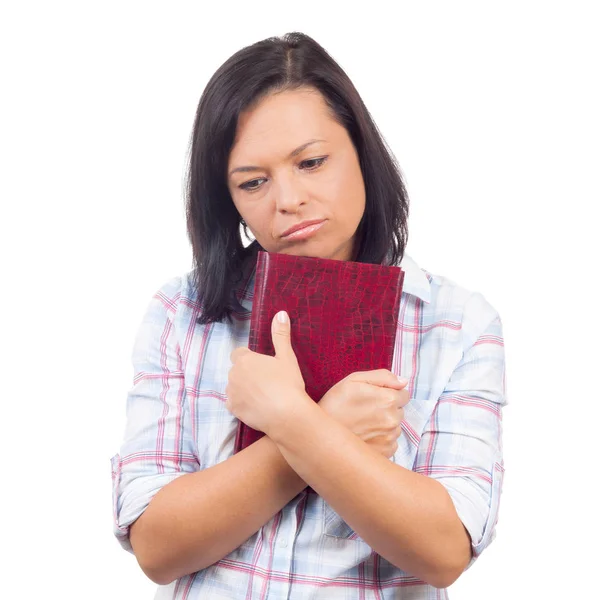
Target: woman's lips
(304, 233)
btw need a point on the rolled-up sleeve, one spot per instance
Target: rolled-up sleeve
(158, 445)
(461, 445)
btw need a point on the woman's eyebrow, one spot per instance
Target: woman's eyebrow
(293, 153)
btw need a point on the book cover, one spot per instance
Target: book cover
(343, 318)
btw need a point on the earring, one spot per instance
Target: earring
(243, 222)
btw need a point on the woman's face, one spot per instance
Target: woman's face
(291, 162)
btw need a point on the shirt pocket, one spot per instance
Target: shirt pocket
(334, 526)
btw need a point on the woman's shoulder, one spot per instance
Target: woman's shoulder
(445, 298)
(178, 295)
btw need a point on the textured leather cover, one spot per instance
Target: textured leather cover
(343, 316)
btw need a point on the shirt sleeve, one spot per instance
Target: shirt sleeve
(461, 445)
(158, 444)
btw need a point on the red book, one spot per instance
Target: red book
(343, 318)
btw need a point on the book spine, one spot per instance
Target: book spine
(245, 435)
(260, 284)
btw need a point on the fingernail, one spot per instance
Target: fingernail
(402, 380)
(282, 316)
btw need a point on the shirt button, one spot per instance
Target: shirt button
(283, 543)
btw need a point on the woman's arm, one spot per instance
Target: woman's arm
(406, 517)
(174, 516)
(201, 517)
(433, 521)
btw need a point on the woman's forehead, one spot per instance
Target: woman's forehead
(281, 123)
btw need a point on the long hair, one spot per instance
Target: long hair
(213, 223)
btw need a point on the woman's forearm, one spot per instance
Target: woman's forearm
(199, 518)
(406, 517)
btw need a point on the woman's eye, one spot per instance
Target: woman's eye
(251, 185)
(313, 163)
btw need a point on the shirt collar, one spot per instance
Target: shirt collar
(416, 281)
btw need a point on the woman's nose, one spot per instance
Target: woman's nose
(290, 196)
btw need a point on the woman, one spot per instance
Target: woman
(408, 472)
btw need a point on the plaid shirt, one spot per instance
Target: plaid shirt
(449, 344)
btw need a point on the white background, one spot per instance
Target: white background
(492, 110)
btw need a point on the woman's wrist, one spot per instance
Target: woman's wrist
(303, 413)
(285, 475)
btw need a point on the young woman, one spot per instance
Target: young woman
(408, 472)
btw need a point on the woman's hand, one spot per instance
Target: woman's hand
(265, 391)
(370, 404)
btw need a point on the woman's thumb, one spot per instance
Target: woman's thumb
(280, 332)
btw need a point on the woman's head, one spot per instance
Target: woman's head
(255, 157)
(291, 163)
